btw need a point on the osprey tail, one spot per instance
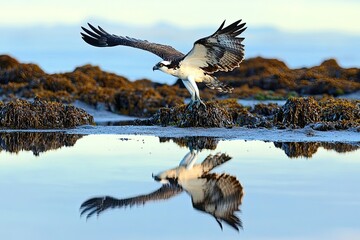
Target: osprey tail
(213, 83)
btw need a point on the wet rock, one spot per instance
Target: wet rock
(199, 116)
(22, 114)
(36, 142)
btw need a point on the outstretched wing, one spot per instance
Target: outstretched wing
(99, 204)
(222, 51)
(212, 161)
(98, 37)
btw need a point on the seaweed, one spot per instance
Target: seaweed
(22, 114)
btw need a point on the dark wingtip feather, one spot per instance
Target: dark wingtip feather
(232, 27)
(89, 40)
(220, 28)
(91, 26)
(239, 31)
(95, 29)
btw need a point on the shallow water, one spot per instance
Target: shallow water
(290, 190)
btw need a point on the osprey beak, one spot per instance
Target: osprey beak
(155, 67)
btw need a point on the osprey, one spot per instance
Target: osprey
(221, 51)
(219, 195)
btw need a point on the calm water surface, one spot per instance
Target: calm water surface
(283, 190)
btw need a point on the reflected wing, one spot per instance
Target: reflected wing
(98, 37)
(189, 159)
(222, 51)
(221, 196)
(99, 204)
(212, 161)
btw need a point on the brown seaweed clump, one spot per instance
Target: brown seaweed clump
(13, 71)
(22, 114)
(326, 114)
(143, 102)
(212, 115)
(299, 112)
(338, 114)
(36, 142)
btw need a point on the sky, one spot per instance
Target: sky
(302, 33)
(292, 16)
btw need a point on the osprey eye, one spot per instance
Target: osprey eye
(161, 64)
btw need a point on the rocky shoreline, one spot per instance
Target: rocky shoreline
(322, 115)
(163, 104)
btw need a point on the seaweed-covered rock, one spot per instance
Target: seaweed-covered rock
(142, 102)
(7, 62)
(257, 78)
(102, 78)
(298, 149)
(22, 114)
(194, 142)
(198, 116)
(338, 114)
(271, 74)
(339, 109)
(308, 149)
(330, 114)
(13, 71)
(299, 112)
(36, 142)
(269, 109)
(340, 147)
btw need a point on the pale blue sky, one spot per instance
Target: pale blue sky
(300, 15)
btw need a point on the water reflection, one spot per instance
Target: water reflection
(193, 142)
(308, 149)
(36, 142)
(219, 195)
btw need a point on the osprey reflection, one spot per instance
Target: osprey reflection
(219, 195)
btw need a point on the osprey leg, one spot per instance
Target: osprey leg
(191, 90)
(197, 94)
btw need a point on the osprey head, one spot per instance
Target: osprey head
(162, 66)
(169, 176)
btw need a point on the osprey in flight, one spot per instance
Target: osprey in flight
(219, 195)
(221, 51)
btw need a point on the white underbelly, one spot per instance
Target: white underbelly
(185, 72)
